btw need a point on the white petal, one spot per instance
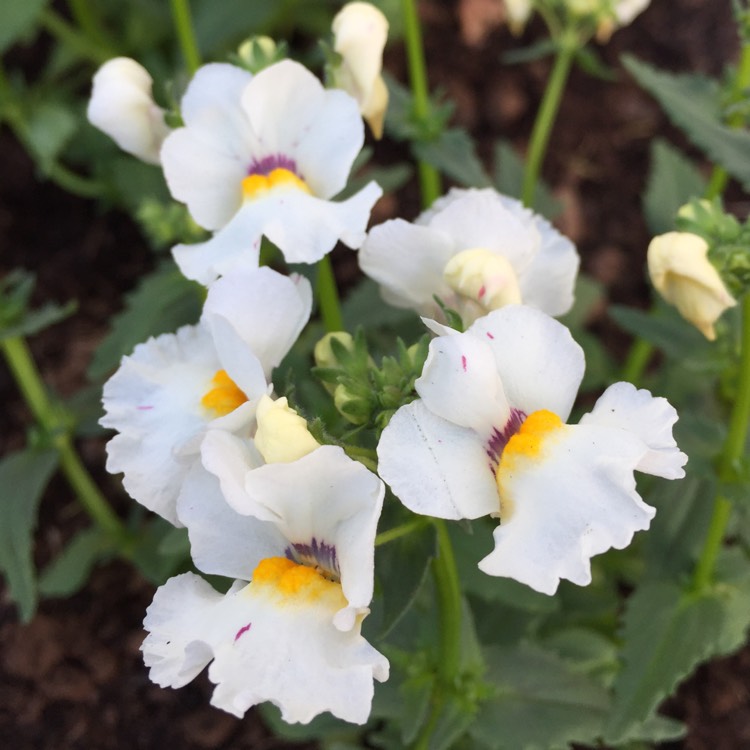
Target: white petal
(266, 309)
(435, 467)
(327, 506)
(292, 115)
(574, 501)
(651, 419)
(539, 363)
(460, 383)
(154, 402)
(223, 542)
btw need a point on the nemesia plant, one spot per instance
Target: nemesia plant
(447, 507)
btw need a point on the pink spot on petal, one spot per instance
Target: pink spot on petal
(144, 408)
(463, 362)
(489, 335)
(482, 291)
(242, 631)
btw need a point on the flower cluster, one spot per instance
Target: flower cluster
(203, 440)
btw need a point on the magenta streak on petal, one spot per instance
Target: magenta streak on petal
(482, 291)
(242, 631)
(144, 408)
(463, 362)
(499, 438)
(267, 164)
(490, 336)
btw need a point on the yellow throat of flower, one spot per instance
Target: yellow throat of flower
(256, 185)
(295, 583)
(224, 397)
(526, 445)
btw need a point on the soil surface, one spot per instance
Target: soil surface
(74, 678)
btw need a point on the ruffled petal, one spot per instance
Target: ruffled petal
(651, 419)
(576, 499)
(435, 467)
(539, 363)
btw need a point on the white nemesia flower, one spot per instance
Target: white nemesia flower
(122, 106)
(476, 250)
(173, 388)
(360, 33)
(263, 155)
(488, 437)
(292, 635)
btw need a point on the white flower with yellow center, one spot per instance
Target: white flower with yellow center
(488, 437)
(476, 250)
(175, 387)
(122, 106)
(262, 156)
(292, 635)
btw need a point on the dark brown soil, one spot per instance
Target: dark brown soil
(74, 678)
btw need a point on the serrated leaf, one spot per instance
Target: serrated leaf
(539, 702)
(667, 632)
(453, 153)
(70, 570)
(508, 171)
(163, 301)
(691, 102)
(16, 18)
(23, 477)
(672, 181)
(37, 320)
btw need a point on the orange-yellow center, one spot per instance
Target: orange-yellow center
(255, 185)
(294, 581)
(224, 397)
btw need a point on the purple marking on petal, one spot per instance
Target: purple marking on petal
(499, 438)
(242, 631)
(463, 362)
(317, 555)
(490, 336)
(267, 164)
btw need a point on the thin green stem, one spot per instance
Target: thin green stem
(567, 45)
(429, 179)
(328, 297)
(26, 375)
(731, 454)
(88, 20)
(69, 35)
(398, 531)
(183, 24)
(637, 360)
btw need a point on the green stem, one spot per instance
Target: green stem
(637, 359)
(21, 364)
(398, 531)
(183, 24)
(66, 34)
(87, 18)
(567, 46)
(429, 178)
(731, 454)
(328, 297)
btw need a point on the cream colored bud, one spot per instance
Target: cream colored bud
(484, 277)
(627, 10)
(323, 352)
(681, 272)
(282, 435)
(518, 13)
(122, 106)
(360, 32)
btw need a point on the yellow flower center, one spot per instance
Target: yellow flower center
(526, 445)
(225, 396)
(296, 583)
(256, 185)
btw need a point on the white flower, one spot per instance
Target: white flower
(360, 33)
(476, 250)
(122, 106)
(292, 635)
(263, 155)
(173, 388)
(681, 272)
(487, 437)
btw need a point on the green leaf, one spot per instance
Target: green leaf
(163, 301)
(70, 570)
(23, 477)
(539, 702)
(17, 17)
(528, 54)
(667, 632)
(672, 182)
(48, 127)
(454, 154)
(692, 103)
(590, 61)
(160, 551)
(37, 320)
(508, 178)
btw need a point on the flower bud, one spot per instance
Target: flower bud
(681, 272)
(360, 32)
(122, 106)
(282, 435)
(356, 409)
(258, 53)
(324, 353)
(518, 12)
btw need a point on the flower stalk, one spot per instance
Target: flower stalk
(183, 24)
(328, 297)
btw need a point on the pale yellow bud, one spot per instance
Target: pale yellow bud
(681, 272)
(484, 277)
(323, 352)
(360, 32)
(518, 13)
(121, 106)
(282, 435)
